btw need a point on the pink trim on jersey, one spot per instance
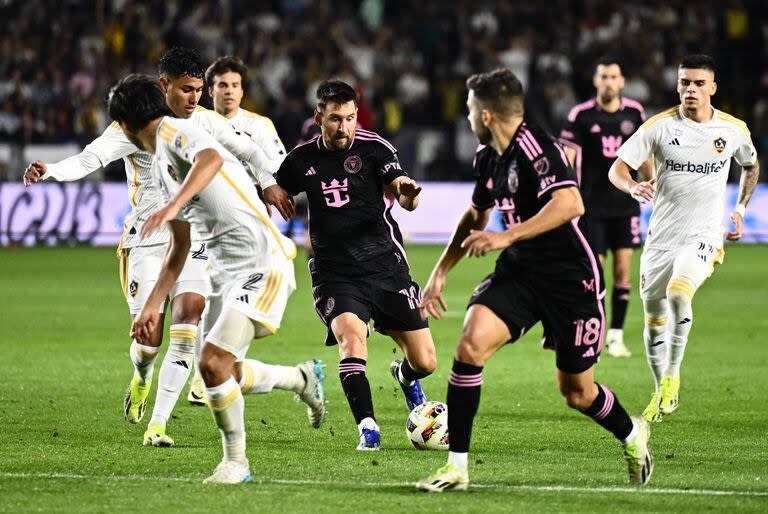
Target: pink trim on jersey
(526, 148)
(532, 140)
(389, 201)
(634, 104)
(562, 155)
(577, 149)
(580, 107)
(373, 136)
(610, 399)
(557, 184)
(596, 273)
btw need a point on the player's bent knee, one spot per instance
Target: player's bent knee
(472, 350)
(680, 290)
(425, 363)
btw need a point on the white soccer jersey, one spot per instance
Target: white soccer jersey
(691, 163)
(228, 204)
(263, 132)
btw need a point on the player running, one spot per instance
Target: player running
(352, 178)
(181, 76)
(593, 132)
(547, 272)
(692, 145)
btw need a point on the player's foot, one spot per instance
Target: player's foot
(196, 395)
(231, 472)
(652, 412)
(414, 394)
(670, 387)
(135, 401)
(614, 344)
(446, 478)
(370, 435)
(313, 394)
(637, 453)
(156, 436)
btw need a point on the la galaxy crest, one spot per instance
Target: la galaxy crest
(719, 144)
(172, 173)
(133, 288)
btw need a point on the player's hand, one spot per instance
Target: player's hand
(158, 219)
(145, 323)
(643, 191)
(34, 173)
(738, 224)
(432, 296)
(408, 187)
(283, 202)
(478, 243)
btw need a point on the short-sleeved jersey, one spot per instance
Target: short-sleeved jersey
(596, 136)
(227, 203)
(351, 226)
(519, 183)
(691, 161)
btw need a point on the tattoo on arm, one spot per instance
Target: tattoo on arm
(748, 182)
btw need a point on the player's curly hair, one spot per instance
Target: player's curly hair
(136, 100)
(498, 90)
(335, 91)
(224, 65)
(180, 61)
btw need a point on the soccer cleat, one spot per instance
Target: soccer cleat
(670, 387)
(370, 439)
(652, 412)
(414, 394)
(135, 401)
(155, 436)
(313, 394)
(446, 478)
(196, 395)
(637, 453)
(231, 472)
(614, 344)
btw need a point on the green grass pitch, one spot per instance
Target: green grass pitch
(65, 447)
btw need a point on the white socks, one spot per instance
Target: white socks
(143, 358)
(458, 459)
(654, 337)
(226, 403)
(174, 371)
(678, 328)
(259, 378)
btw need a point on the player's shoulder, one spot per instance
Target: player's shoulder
(578, 109)
(483, 155)
(664, 117)
(257, 119)
(367, 137)
(627, 104)
(533, 141)
(202, 112)
(732, 120)
(305, 150)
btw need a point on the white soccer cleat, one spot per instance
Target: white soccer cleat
(449, 477)
(614, 344)
(231, 472)
(313, 394)
(637, 453)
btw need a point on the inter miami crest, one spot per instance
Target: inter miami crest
(512, 178)
(353, 164)
(719, 144)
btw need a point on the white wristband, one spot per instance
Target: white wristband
(740, 209)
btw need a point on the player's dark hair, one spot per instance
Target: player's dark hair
(698, 62)
(607, 60)
(180, 61)
(224, 65)
(136, 100)
(498, 90)
(335, 91)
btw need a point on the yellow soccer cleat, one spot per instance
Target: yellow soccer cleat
(670, 387)
(196, 395)
(135, 402)
(652, 412)
(156, 436)
(449, 477)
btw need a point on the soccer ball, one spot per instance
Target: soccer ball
(427, 426)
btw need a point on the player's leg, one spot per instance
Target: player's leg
(622, 273)
(420, 361)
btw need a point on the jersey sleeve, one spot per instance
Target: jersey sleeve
(482, 200)
(187, 142)
(569, 135)
(389, 162)
(552, 169)
(110, 146)
(745, 153)
(638, 148)
(287, 177)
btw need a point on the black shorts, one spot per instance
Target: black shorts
(392, 302)
(613, 233)
(570, 308)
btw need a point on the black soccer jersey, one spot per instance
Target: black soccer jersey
(519, 183)
(597, 135)
(351, 227)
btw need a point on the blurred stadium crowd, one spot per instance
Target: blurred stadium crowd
(408, 59)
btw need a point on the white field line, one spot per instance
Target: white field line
(374, 485)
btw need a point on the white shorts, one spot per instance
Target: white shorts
(684, 269)
(140, 267)
(261, 295)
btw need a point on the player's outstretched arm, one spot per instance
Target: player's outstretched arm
(406, 190)
(432, 294)
(175, 256)
(747, 185)
(620, 176)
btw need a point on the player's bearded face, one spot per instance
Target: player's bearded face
(695, 87)
(608, 81)
(338, 124)
(182, 94)
(475, 117)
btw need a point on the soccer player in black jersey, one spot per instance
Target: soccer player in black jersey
(352, 178)
(547, 272)
(591, 135)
